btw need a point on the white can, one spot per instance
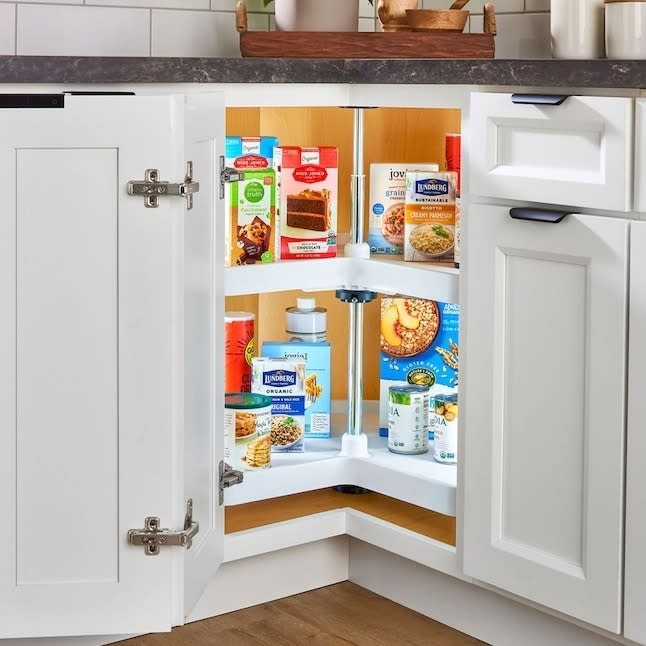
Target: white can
(408, 419)
(247, 426)
(444, 424)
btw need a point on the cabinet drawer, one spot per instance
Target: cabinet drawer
(574, 154)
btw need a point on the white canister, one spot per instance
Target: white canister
(625, 29)
(577, 28)
(316, 15)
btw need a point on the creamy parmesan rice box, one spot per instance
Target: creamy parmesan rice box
(284, 381)
(429, 216)
(386, 210)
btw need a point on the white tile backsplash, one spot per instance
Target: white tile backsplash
(207, 27)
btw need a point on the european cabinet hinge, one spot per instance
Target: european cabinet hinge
(152, 537)
(228, 175)
(228, 478)
(151, 188)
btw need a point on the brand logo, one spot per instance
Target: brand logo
(251, 146)
(309, 174)
(397, 174)
(279, 378)
(250, 162)
(249, 352)
(432, 187)
(310, 157)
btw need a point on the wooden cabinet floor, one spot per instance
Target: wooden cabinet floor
(338, 614)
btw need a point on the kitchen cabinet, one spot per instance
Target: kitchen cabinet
(545, 339)
(108, 362)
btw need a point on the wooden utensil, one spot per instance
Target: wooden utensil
(458, 4)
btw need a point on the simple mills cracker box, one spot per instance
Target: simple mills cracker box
(386, 207)
(419, 345)
(307, 201)
(250, 155)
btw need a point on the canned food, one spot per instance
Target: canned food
(247, 426)
(238, 351)
(408, 419)
(444, 424)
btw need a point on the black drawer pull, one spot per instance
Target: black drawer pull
(539, 99)
(537, 215)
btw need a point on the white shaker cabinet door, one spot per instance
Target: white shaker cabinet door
(545, 336)
(577, 153)
(635, 584)
(97, 294)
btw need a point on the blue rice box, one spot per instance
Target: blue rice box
(419, 346)
(284, 381)
(317, 382)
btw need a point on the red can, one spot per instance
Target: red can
(238, 351)
(452, 151)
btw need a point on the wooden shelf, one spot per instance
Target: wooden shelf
(266, 512)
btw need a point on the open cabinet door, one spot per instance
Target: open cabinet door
(92, 365)
(204, 347)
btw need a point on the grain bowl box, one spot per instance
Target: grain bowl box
(429, 216)
(249, 235)
(284, 381)
(419, 346)
(307, 181)
(387, 201)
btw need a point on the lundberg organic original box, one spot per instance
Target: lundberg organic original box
(284, 381)
(317, 380)
(429, 217)
(386, 210)
(307, 201)
(419, 345)
(255, 242)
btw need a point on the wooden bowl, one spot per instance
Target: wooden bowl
(446, 20)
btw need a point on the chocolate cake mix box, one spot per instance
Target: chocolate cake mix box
(249, 154)
(419, 346)
(386, 206)
(307, 181)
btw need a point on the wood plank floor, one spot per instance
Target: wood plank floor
(337, 615)
(264, 512)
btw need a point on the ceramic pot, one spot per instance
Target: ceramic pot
(577, 28)
(626, 29)
(317, 15)
(392, 14)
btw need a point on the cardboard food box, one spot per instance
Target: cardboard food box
(284, 381)
(429, 216)
(307, 180)
(244, 154)
(419, 345)
(317, 357)
(386, 207)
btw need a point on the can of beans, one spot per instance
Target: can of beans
(247, 427)
(444, 424)
(238, 351)
(408, 419)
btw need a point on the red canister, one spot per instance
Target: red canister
(238, 351)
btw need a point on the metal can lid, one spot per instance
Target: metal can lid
(450, 398)
(230, 317)
(408, 388)
(246, 400)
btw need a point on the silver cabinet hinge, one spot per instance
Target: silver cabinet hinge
(228, 175)
(152, 537)
(151, 188)
(228, 478)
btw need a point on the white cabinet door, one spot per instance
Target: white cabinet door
(92, 364)
(640, 158)
(635, 583)
(578, 153)
(545, 335)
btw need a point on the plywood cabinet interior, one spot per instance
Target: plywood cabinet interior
(391, 135)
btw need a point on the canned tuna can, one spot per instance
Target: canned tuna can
(444, 424)
(408, 419)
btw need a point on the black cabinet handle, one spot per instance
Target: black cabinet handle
(537, 215)
(539, 99)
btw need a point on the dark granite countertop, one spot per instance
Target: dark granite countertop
(536, 72)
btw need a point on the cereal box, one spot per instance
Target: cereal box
(429, 216)
(317, 380)
(243, 154)
(307, 201)
(253, 217)
(284, 381)
(419, 345)
(386, 210)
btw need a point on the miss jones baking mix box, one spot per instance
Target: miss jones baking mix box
(419, 346)
(307, 185)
